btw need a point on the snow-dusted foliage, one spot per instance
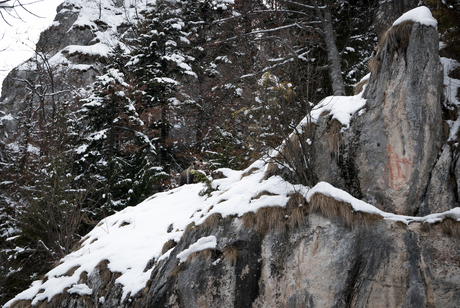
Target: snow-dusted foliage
(168, 82)
(130, 238)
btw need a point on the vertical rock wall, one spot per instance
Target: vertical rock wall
(404, 107)
(395, 142)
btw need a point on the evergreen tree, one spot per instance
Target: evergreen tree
(116, 157)
(160, 63)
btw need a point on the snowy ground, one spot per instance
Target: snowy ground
(132, 237)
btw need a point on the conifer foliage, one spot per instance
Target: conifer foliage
(116, 155)
(220, 80)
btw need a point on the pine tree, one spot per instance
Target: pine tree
(160, 63)
(116, 156)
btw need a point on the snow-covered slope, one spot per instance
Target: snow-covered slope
(132, 237)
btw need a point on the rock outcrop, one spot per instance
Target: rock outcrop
(389, 156)
(68, 57)
(322, 253)
(319, 262)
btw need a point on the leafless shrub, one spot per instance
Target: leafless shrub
(296, 154)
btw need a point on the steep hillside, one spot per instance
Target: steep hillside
(249, 242)
(253, 239)
(356, 205)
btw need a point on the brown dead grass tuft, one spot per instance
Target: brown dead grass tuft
(249, 220)
(358, 88)
(124, 224)
(450, 227)
(263, 193)
(189, 228)
(231, 254)
(341, 211)
(104, 273)
(71, 271)
(204, 254)
(249, 172)
(396, 39)
(211, 221)
(271, 218)
(272, 169)
(297, 210)
(168, 245)
(297, 219)
(296, 200)
(333, 135)
(22, 304)
(83, 277)
(78, 244)
(177, 270)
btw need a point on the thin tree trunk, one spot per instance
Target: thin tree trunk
(333, 55)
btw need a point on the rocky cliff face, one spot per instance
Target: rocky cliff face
(395, 155)
(316, 262)
(68, 57)
(392, 154)
(320, 255)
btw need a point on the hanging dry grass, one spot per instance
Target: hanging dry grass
(189, 228)
(83, 277)
(168, 245)
(295, 200)
(71, 271)
(104, 273)
(333, 135)
(269, 218)
(340, 211)
(297, 209)
(231, 254)
(448, 226)
(22, 304)
(211, 221)
(272, 169)
(249, 220)
(358, 88)
(249, 172)
(176, 270)
(396, 39)
(204, 254)
(297, 219)
(263, 193)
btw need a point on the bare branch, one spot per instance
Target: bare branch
(9, 8)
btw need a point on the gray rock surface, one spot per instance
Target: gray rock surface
(320, 264)
(394, 156)
(66, 71)
(388, 155)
